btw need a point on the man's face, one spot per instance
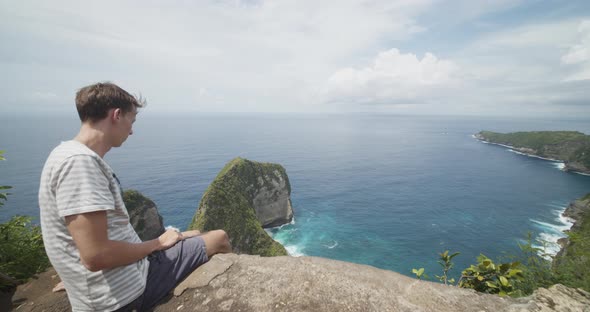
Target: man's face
(125, 126)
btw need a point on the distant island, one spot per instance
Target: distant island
(571, 147)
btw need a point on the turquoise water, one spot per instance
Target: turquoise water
(388, 191)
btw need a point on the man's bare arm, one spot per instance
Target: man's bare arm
(97, 252)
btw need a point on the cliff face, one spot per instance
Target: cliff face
(244, 197)
(571, 147)
(143, 215)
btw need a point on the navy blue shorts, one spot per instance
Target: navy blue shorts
(167, 269)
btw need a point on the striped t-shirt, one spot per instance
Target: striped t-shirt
(76, 180)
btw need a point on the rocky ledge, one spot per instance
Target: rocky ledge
(231, 282)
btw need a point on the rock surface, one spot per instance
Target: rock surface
(233, 282)
(244, 196)
(576, 209)
(272, 197)
(556, 298)
(143, 215)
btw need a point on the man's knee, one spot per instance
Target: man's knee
(217, 241)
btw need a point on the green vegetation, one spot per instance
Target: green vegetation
(227, 204)
(524, 273)
(572, 266)
(536, 269)
(22, 253)
(446, 263)
(569, 146)
(491, 278)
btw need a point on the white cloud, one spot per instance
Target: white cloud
(248, 51)
(579, 54)
(394, 78)
(288, 55)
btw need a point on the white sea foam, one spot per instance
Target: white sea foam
(552, 232)
(332, 246)
(282, 225)
(294, 251)
(511, 149)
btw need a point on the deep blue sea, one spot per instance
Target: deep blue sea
(384, 190)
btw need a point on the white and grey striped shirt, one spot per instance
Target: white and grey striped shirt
(76, 180)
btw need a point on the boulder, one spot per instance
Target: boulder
(143, 215)
(243, 197)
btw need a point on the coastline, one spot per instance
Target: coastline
(529, 152)
(574, 211)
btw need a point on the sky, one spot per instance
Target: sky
(488, 58)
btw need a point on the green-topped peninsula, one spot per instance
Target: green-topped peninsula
(571, 147)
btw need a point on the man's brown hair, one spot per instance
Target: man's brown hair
(94, 101)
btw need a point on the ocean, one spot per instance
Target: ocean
(383, 190)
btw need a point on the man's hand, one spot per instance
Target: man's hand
(169, 239)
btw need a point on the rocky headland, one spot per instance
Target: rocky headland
(245, 197)
(571, 147)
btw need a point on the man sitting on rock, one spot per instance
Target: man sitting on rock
(86, 230)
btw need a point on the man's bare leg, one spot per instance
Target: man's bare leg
(216, 242)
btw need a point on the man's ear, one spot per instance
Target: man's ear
(116, 113)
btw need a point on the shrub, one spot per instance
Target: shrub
(21, 251)
(490, 278)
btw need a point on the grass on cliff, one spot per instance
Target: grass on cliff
(573, 267)
(227, 205)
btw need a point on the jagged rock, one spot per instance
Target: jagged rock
(576, 209)
(556, 298)
(272, 196)
(241, 191)
(143, 215)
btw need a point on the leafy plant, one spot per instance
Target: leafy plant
(490, 278)
(419, 273)
(21, 251)
(536, 269)
(446, 263)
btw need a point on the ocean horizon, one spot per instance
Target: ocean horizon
(384, 190)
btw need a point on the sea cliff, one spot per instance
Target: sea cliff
(571, 147)
(244, 197)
